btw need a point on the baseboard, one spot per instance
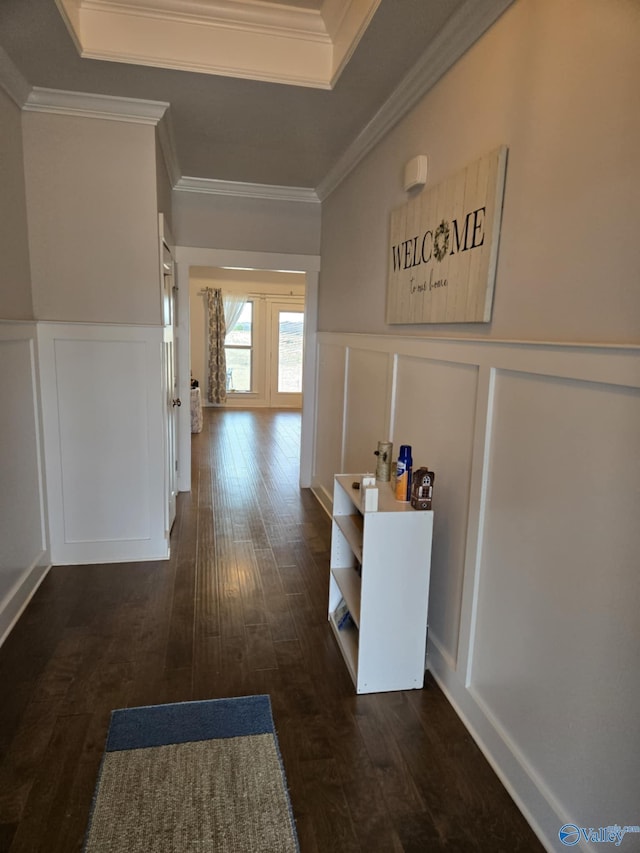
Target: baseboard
(323, 497)
(510, 768)
(117, 551)
(22, 593)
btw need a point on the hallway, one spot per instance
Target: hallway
(240, 608)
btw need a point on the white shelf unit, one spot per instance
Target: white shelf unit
(380, 565)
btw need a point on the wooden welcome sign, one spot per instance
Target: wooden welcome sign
(444, 248)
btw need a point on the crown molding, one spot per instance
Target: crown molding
(12, 81)
(334, 13)
(464, 28)
(318, 80)
(346, 27)
(294, 21)
(168, 148)
(267, 41)
(243, 190)
(95, 106)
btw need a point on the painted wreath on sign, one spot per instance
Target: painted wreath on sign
(441, 241)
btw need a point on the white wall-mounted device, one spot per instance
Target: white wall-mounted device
(415, 172)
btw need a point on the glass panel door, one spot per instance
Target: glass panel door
(287, 338)
(290, 337)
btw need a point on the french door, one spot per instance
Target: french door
(264, 352)
(286, 338)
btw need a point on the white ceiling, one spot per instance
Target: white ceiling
(252, 131)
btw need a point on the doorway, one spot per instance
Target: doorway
(264, 344)
(307, 265)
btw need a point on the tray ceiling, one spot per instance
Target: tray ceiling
(227, 134)
(303, 43)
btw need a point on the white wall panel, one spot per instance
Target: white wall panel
(556, 641)
(330, 408)
(367, 408)
(435, 414)
(103, 412)
(23, 545)
(534, 635)
(103, 439)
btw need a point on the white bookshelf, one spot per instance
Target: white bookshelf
(380, 565)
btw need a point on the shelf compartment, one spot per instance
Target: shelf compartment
(348, 643)
(351, 527)
(350, 587)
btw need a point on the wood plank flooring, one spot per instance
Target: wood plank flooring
(240, 608)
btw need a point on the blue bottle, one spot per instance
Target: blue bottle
(403, 473)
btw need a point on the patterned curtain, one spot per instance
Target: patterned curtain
(217, 361)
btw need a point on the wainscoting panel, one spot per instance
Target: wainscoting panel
(328, 442)
(534, 633)
(560, 587)
(434, 412)
(23, 539)
(367, 410)
(103, 412)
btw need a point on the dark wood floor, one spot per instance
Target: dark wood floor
(240, 608)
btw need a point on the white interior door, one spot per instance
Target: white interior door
(286, 355)
(173, 402)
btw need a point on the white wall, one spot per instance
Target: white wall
(206, 221)
(93, 189)
(535, 590)
(24, 555)
(23, 532)
(557, 82)
(15, 274)
(93, 225)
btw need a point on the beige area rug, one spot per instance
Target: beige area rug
(193, 776)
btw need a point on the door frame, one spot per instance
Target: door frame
(172, 423)
(188, 256)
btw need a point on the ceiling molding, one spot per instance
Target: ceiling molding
(192, 256)
(271, 192)
(456, 37)
(168, 148)
(95, 106)
(333, 14)
(271, 42)
(294, 21)
(346, 25)
(320, 79)
(12, 81)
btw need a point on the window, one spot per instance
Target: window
(238, 347)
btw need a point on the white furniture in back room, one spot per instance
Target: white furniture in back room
(196, 410)
(380, 566)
